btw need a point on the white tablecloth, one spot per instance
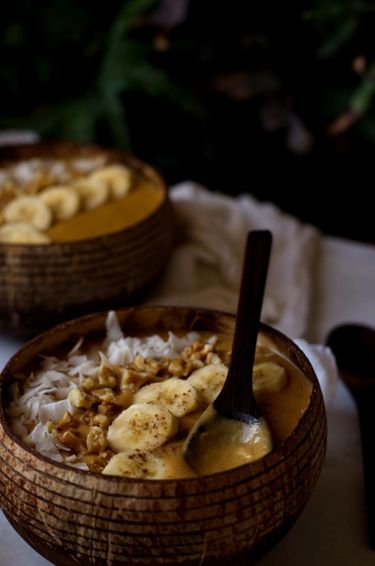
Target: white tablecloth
(332, 528)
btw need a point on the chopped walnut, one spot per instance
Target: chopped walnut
(106, 377)
(176, 367)
(101, 420)
(100, 399)
(96, 441)
(103, 394)
(87, 416)
(133, 380)
(124, 399)
(197, 354)
(80, 399)
(154, 366)
(89, 383)
(65, 421)
(139, 363)
(96, 462)
(108, 409)
(186, 352)
(70, 439)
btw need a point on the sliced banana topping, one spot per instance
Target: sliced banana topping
(22, 233)
(117, 178)
(30, 209)
(63, 202)
(142, 426)
(269, 377)
(92, 193)
(208, 381)
(136, 464)
(133, 414)
(43, 198)
(178, 395)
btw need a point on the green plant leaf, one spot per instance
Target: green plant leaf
(341, 35)
(363, 96)
(73, 119)
(118, 33)
(115, 116)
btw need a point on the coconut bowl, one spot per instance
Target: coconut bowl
(234, 517)
(44, 284)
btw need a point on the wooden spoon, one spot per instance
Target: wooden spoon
(354, 348)
(236, 400)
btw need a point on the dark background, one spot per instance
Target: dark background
(271, 98)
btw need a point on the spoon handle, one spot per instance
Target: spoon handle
(239, 378)
(365, 405)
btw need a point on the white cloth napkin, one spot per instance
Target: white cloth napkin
(324, 364)
(205, 266)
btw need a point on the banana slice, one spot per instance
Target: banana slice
(92, 193)
(29, 209)
(22, 233)
(117, 178)
(63, 202)
(208, 381)
(269, 377)
(142, 426)
(179, 396)
(136, 464)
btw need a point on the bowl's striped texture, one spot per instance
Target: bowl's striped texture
(73, 517)
(41, 285)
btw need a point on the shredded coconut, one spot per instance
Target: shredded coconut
(43, 397)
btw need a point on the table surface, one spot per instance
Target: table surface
(332, 527)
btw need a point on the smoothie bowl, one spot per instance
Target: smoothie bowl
(82, 228)
(93, 418)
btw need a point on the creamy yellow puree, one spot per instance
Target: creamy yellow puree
(282, 402)
(228, 443)
(112, 216)
(218, 443)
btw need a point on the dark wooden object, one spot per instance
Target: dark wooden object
(354, 348)
(236, 399)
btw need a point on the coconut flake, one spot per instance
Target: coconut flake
(54, 411)
(42, 441)
(113, 328)
(43, 396)
(88, 164)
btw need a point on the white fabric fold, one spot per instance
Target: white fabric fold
(205, 267)
(324, 364)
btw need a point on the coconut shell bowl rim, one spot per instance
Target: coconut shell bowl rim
(255, 468)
